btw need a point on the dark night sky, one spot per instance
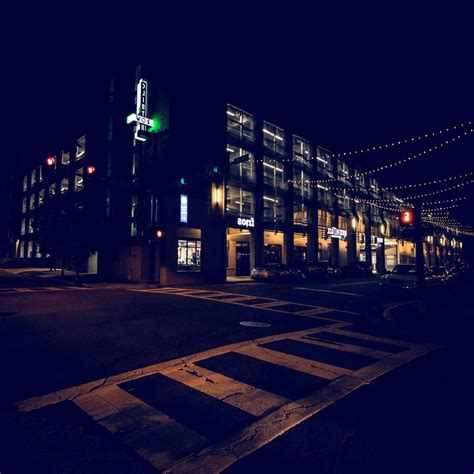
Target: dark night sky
(351, 75)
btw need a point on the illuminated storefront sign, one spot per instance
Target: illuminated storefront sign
(183, 208)
(336, 233)
(243, 222)
(142, 122)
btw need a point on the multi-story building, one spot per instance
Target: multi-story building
(194, 187)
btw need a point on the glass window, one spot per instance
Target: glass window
(189, 255)
(240, 124)
(25, 183)
(245, 170)
(33, 178)
(30, 226)
(79, 179)
(23, 226)
(239, 201)
(40, 173)
(41, 197)
(343, 171)
(30, 249)
(273, 138)
(300, 213)
(133, 211)
(273, 173)
(52, 189)
(65, 157)
(32, 201)
(24, 205)
(133, 229)
(64, 186)
(324, 160)
(302, 186)
(272, 208)
(81, 148)
(302, 152)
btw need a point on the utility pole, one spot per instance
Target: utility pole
(420, 259)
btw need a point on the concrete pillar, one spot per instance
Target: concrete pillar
(351, 243)
(367, 238)
(289, 241)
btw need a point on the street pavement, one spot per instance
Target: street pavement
(144, 379)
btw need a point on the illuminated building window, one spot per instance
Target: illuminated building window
(30, 226)
(32, 201)
(189, 255)
(239, 202)
(30, 249)
(33, 178)
(52, 190)
(273, 138)
(273, 173)
(272, 208)
(133, 229)
(64, 186)
(300, 213)
(324, 161)
(240, 124)
(65, 157)
(134, 207)
(302, 152)
(24, 205)
(81, 148)
(41, 197)
(25, 183)
(302, 187)
(79, 179)
(40, 174)
(244, 171)
(23, 226)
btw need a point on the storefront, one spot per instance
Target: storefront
(239, 251)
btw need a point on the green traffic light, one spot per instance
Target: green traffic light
(216, 169)
(182, 181)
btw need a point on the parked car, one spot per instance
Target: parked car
(275, 272)
(321, 269)
(403, 277)
(442, 273)
(357, 269)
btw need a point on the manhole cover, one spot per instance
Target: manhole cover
(254, 324)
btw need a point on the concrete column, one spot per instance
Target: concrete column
(289, 241)
(258, 236)
(351, 243)
(367, 237)
(335, 242)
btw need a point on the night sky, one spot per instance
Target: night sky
(350, 75)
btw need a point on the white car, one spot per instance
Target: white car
(404, 277)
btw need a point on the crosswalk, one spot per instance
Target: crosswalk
(257, 302)
(203, 412)
(37, 289)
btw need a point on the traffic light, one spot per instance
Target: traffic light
(50, 162)
(90, 169)
(159, 234)
(182, 181)
(407, 218)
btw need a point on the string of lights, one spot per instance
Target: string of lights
(441, 208)
(451, 228)
(444, 201)
(399, 162)
(401, 142)
(439, 191)
(428, 183)
(376, 204)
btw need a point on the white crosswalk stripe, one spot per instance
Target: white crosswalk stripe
(172, 446)
(41, 289)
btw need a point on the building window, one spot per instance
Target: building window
(52, 190)
(41, 197)
(323, 158)
(302, 152)
(30, 226)
(273, 173)
(239, 202)
(32, 201)
(189, 255)
(65, 158)
(133, 229)
(25, 183)
(64, 186)
(273, 138)
(81, 148)
(244, 171)
(302, 186)
(300, 213)
(40, 174)
(110, 128)
(240, 124)
(134, 206)
(272, 208)
(33, 178)
(134, 162)
(79, 179)
(24, 205)
(23, 226)
(30, 249)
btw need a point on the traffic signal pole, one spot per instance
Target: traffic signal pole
(420, 259)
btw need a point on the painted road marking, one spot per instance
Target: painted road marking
(238, 394)
(223, 454)
(140, 426)
(172, 446)
(267, 304)
(41, 289)
(327, 291)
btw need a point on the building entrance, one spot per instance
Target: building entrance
(242, 258)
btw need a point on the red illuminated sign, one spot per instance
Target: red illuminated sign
(407, 217)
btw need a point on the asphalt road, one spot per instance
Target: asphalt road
(414, 418)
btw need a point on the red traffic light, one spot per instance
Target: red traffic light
(159, 233)
(50, 161)
(90, 169)
(407, 217)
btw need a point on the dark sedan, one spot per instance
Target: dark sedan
(275, 272)
(357, 269)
